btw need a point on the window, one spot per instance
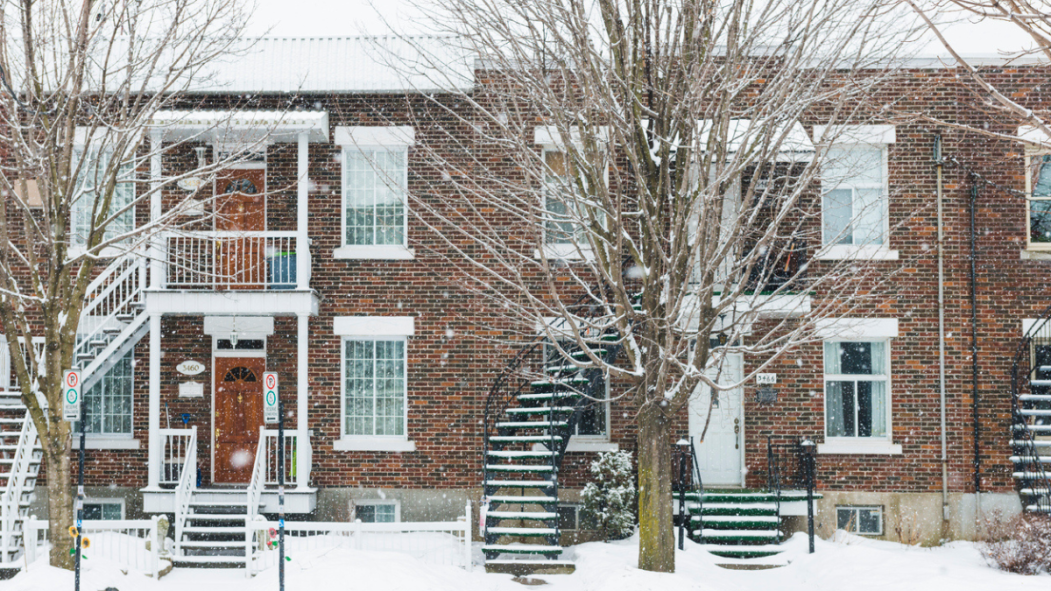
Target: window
(1038, 190)
(92, 179)
(560, 227)
(377, 511)
(109, 510)
(571, 517)
(107, 404)
(374, 387)
(854, 204)
(856, 389)
(593, 421)
(374, 194)
(867, 521)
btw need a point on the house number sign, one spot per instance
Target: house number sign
(190, 368)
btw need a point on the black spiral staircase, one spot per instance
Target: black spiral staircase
(1031, 417)
(531, 413)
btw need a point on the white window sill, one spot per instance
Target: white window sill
(387, 253)
(374, 444)
(101, 442)
(848, 252)
(567, 252)
(1036, 255)
(859, 446)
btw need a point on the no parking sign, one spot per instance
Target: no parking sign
(71, 395)
(270, 397)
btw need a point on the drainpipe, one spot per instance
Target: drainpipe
(974, 362)
(939, 163)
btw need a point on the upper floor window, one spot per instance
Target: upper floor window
(1038, 192)
(856, 376)
(88, 198)
(563, 221)
(854, 204)
(375, 191)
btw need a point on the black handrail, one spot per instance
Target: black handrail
(1033, 481)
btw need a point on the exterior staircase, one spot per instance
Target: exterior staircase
(1031, 417)
(20, 456)
(213, 534)
(528, 425)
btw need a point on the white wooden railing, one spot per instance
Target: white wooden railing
(433, 542)
(175, 447)
(184, 491)
(232, 260)
(11, 512)
(121, 541)
(108, 306)
(294, 445)
(255, 493)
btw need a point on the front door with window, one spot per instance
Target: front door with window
(238, 416)
(241, 208)
(720, 453)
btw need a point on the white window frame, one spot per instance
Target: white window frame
(859, 330)
(110, 501)
(116, 440)
(873, 136)
(857, 520)
(76, 246)
(372, 328)
(375, 502)
(1041, 247)
(548, 139)
(389, 138)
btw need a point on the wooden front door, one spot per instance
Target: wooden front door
(238, 415)
(241, 207)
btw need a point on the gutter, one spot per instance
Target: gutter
(939, 163)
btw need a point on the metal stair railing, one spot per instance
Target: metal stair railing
(113, 302)
(687, 480)
(11, 514)
(185, 489)
(1034, 484)
(255, 492)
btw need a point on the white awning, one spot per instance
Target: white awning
(240, 127)
(795, 144)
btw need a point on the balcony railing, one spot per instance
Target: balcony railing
(233, 260)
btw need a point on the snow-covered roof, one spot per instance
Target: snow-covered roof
(341, 64)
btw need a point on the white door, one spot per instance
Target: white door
(721, 453)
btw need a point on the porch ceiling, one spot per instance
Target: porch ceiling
(231, 303)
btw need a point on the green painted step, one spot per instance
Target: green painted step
(529, 424)
(738, 535)
(544, 396)
(737, 522)
(541, 516)
(521, 531)
(735, 509)
(517, 468)
(583, 354)
(523, 438)
(524, 549)
(538, 410)
(743, 551)
(521, 455)
(521, 500)
(520, 483)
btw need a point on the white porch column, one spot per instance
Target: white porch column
(303, 455)
(156, 172)
(302, 202)
(154, 467)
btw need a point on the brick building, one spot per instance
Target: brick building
(316, 272)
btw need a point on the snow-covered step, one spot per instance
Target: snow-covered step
(232, 559)
(738, 534)
(1033, 428)
(524, 549)
(521, 454)
(521, 531)
(1030, 475)
(1035, 397)
(200, 529)
(523, 438)
(215, 517)
(1035, 443)
(1034, 412)
(741, 519)
(521, 515)
(212, 544)
(518, 468)
(530, 424)
(1035, 491)
(571, 381)
(521, 500)
(754, 507)
(547, 396)
(743, 551)
(1039, 509)
(584, 354)
(538, 410)
(520, 483)
(1041, 459)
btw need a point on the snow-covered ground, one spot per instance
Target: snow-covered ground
(849, 562)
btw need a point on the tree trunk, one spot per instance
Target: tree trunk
(656, 530)
(60, 506)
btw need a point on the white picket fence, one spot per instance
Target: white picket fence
(120, 541)
(433, 542)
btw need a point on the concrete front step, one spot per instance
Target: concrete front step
(742, 551)
(530, 567)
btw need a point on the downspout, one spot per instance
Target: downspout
(974, 361)
(939, 164)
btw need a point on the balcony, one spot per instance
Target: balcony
(218, 272)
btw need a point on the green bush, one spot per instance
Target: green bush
(609, 499)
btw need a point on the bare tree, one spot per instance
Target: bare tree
(653, 160)
(82, 84)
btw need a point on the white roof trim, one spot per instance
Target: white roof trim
(857, 328)
(855, 134)
(374, 326)
(222, 126)
(389, 135)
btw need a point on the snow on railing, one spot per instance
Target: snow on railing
(123, 542)
(433, 542)
(232, 260)
(175, 443)
(109, 302)
(255, 493)
(187, 484)
(11, 499)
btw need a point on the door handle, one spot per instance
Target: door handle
(737, 433)
(217, 431)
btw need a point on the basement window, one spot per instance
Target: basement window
(865, 521)
(104, 510)
(376, 511)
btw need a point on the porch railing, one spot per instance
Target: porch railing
(233, 260)
(175, 445)
(123, 542)
(293, 447)
(111, 302)
(20, 472)
(184, 490)
(255, 493)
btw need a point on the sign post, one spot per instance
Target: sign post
(72, 410)
(273, 412)
(270, 405)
